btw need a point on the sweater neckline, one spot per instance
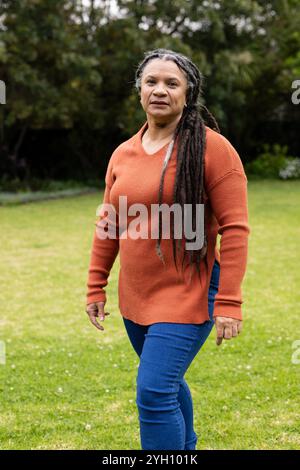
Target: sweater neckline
(142, 151)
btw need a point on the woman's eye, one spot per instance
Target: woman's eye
(171, 84)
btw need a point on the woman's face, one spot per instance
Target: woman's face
(162, 80)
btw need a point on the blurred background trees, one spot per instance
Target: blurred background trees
(69, 70)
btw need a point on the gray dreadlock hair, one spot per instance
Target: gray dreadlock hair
(189, 180)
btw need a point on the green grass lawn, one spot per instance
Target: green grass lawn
(67, 385)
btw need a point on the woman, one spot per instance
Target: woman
(168, 314)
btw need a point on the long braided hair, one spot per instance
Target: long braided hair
(189, 180)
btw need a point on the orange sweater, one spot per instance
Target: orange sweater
(148, 290)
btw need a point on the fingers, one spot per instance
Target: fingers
(101, 312)
(228, 332)
(234, 330)
(227, 328)
(95, 323)
(95, 310)
(219, 328)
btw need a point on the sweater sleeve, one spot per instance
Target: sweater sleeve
(104, 250)
(226, 185)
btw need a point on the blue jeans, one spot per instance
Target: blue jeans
(163, 397)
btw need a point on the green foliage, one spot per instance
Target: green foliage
(270, 162)
(37, 184)
(71, 65)
(51, 71)
(291, 170)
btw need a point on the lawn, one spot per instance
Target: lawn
(67, 385)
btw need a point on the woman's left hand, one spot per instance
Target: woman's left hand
(227, 328)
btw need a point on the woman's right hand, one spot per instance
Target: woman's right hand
(95, 310)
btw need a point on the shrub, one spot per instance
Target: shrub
(270, 162)
(48, 185)
(291, 169)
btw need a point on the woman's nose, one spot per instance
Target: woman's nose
(159, 92)
(159, 89)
